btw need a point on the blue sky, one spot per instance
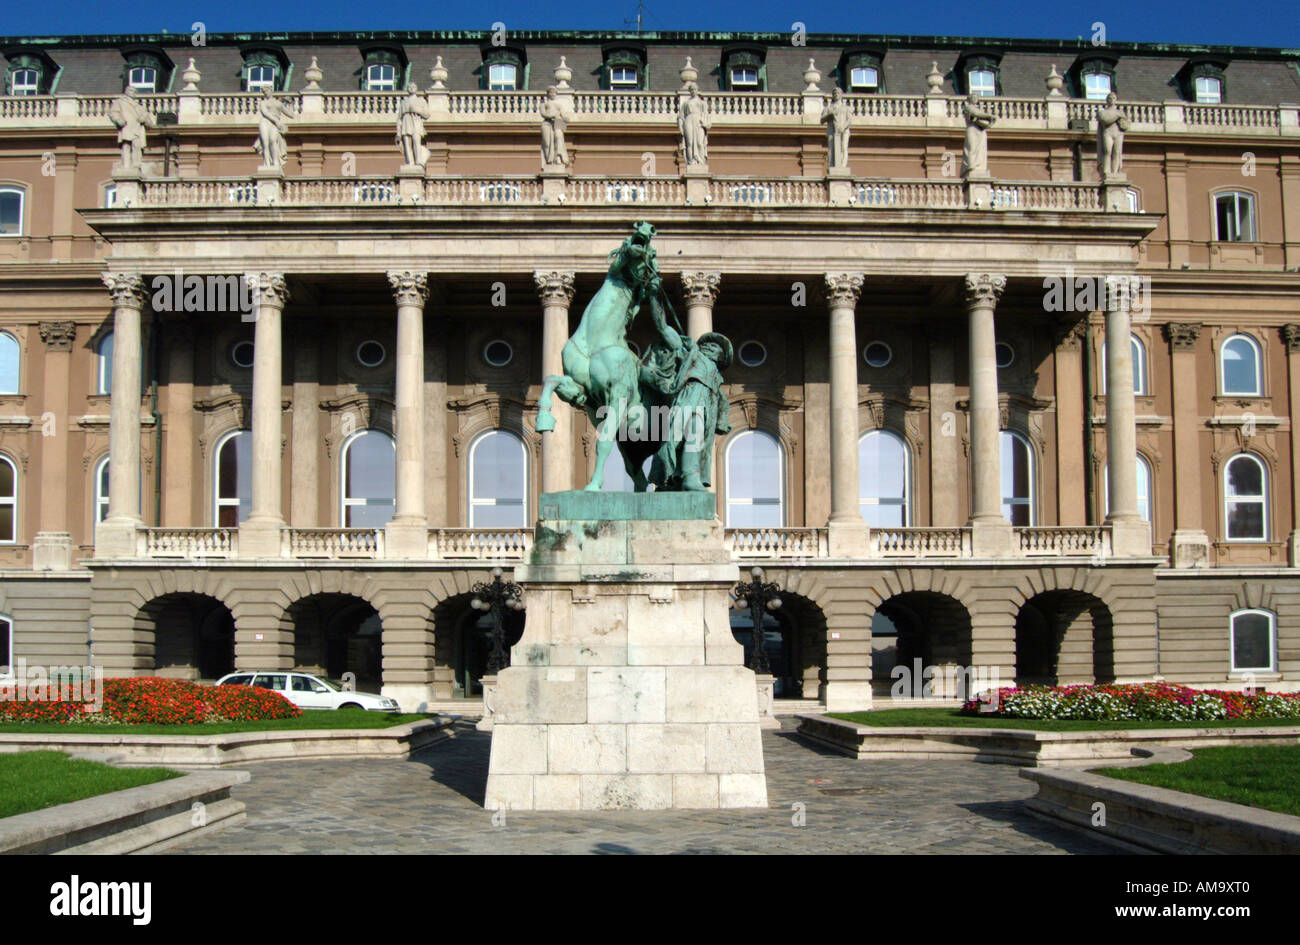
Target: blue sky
(1225, 22)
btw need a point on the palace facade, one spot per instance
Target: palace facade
(954, 439)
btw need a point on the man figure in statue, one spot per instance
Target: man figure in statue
(131, 119)
(1111, 125)
(838, 118)
(975, 149)
(554, 151)
(412, 113)
(689, 376)
(272, 123)
(693, 122)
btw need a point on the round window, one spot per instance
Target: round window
(241, 353)
(1006, 354)
(498, 353)
(877, 354)
(371, 354)
(752, 353)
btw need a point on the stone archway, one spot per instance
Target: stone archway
(192, 636)
(335, 634)
(1064, 637)
(463, 643)
(921, 644)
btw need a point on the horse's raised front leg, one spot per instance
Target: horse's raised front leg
(568, 390)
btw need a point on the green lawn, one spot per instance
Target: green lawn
(1265, 776)
(310, 719)
(950, 717)
(34, 780)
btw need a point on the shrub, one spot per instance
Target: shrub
(1137, 702)
(156, 701)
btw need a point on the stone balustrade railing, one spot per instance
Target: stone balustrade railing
(1055, 541)
(480, 544)
(726, 108)
(332, 543)
(921, 542)
(188, 542)
(779, 543)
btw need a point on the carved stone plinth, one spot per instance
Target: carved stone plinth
(410, 183)
(979, 190)
(627, 689)
(697, 178)
(270, 185)
(52, 551)
(555, 183)
(839, 181)
(1190, 549)
(1114, 193)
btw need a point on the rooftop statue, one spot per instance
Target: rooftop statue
(272, 123)
(131, 119)
(668, 404)
(975, 150)
(693, 121)
(1111, 125)
(838, 118)
(554, 121)
(412, 113)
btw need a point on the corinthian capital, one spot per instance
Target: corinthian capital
(843, 289)
(1291, 334)
(409, 288)
(554, 287)
(984, 288)
(1182, 335)
(267, 288)
(126, 289)
(701, 288)
(58, 336)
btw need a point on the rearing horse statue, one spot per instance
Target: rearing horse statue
(601, 373)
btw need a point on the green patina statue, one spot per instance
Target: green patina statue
(668, 404)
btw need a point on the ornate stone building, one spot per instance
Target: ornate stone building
(1013, 416)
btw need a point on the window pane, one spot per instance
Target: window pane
(235, 480)
(105, 352)
(1144, 489)
(370, 480)
(1245, 519)
(8, 363)
(981, 82)
(1245, 478)
(1016, 480)
(754, 481)
(1209, 90)
(1240, 373)
(101, 492)
(882, 479)
(7, 523)
(1139, 362)
(1251, 642)
(1097, 85)
(11, 213)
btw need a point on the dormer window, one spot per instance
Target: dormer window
(979, 71)
(1209, 89)
(259, 78)
(148, 70)
(24, 82)
(503, 77)
(1093, 77)
(859, 71)
(381, 77)
(1096, 86)
(142, 79)
(29, 73)
(982, 82)
(505, 69)
(385, 68)
(624, 67)
(265, 67)
(742, 69)
(1202, 80)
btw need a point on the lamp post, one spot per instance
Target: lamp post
(758, 596)
(494, 597)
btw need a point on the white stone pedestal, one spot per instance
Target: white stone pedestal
(627, 689)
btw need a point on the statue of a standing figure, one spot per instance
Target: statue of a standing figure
(412, 113)
(272, 123)
(693, 121)
(1111, 125)
(554, 121)
(975, 149)
(838, 118)
(131, 119)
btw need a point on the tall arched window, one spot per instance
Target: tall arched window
(1254, 641)
(1138, 354)
(11, 211)
(8, 500)
(369, 480)
(1245, 498)
(755, 481)
(1017, 479)
(498, 481)
(10, 362)
(104, 365)
(883, 477)
(101, 490)
(1239, 366)
(234, 479)
(1143, 489)
(1234, 217)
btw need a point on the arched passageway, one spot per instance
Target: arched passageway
(336, 635)
(921, 647)
(1064, 638)
(193, 636)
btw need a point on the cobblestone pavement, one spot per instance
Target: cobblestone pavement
(432, 804)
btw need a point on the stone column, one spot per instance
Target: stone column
(52, 546)
(1291, 333)
(1129, 534)
(259, 536)
(991, 534)
(1070, 408)
(848, 532)
(408, 532)
(701, 291)
(945, 453)
(1191, 545)
(115, 537)
(179, 474)
(305, 484)
(555, 289)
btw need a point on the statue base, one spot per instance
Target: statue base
(1114, 193)
(839, 183)
(979, 190)
(697, 178)
(555, 183)
(627, 690)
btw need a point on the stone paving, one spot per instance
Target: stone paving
(432, 804)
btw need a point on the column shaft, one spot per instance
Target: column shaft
(555, 289)
(982, 293)
(1121, 414)
(270, 295)
(411, 290)
(843, 290)
(701, 291)
(124, 412)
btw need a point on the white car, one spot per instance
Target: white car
(309, 691)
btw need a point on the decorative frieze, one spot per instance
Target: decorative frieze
(554, 287)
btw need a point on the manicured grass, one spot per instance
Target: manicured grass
(938, 717)
(34, 780)
(1266, 776)
(310, 719)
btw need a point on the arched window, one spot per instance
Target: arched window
(6, 646)
(755, 487)
(10, 362)
(1254, 641)
(369, 480)
(8, 500)
(883, 477)
(1245, 498)
(498, 481)
(11, 211)
(104, 365)
(1017, 479)
(1239, 366)
(1143, 489)
(1138, 354)
(1234, 217)
(101, 490)
(234, 479)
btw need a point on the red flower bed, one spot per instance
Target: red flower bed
(156, 701)
(1136, 702)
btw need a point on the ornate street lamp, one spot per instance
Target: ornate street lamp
(759, 596)
(495, 597)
